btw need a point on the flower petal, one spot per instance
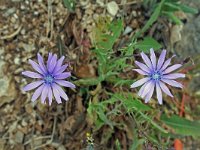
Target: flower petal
(165, 89)
(56, 94)
(41, 63)
(142, 66)
(37, 93)
(174, 76)
(140, 82)
(172, 83)
(35, 66)
(58, 64)
(32, 85)
(161, 59)
(50, 95)
(44, 93)
(159, 93)
(141, 71)
(61, 92)
(146, 60)
(147, 88)
(49, 59)
(65, 83)
(167, 63)
(60, 70)
(32, 74)
(171, 68)
(142, 89)
(150, 93)
(52, 63)
(153, 58)
(63, 75)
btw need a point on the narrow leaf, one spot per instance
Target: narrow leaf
(182, 126)
(147, 44)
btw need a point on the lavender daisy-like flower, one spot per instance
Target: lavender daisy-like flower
(50, 78)
(158, 73)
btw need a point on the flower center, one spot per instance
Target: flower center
(48, 79)
(156, 76)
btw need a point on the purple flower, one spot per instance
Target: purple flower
(50, 78)
(157, 75)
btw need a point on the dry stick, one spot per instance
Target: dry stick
(52, 135)
(12, 35)
(130, 3)
(38, 138)
(50, 19)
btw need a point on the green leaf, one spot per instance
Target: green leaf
(172, 17)
(152, 122)
(147, 43)
(70, 4)
(88, 82)
(104, 118)
(171, 7)
(182, 126)
(130, 103)
(188, 9)
(121, 82)
(107, 40)
(136, 142)
(117, 143)
(152, 19)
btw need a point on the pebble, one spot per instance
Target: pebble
(13, 19)
(100, 2)
(24, 123)
(17, 60)
(19, 136)
(134, 24)
(127, 30)
(112, 8)
(22, 7)
(23, 31)
(9, 12)
(15, 15)
(134, 13)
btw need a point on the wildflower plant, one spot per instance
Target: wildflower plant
(122, 103)
(158, 73)
(50, 79)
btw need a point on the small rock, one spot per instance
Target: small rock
(23, 31)
(61, 147)
(134, 24)
(100, 2)
(2, 144)
(1, 50)
(13, 19)
(9, 12)
(28, 47)
(22, 7)
(19, 136)
(127, 30)
(134, 13)
(24, 123)
(175, 34)
(112, 8)
(15, 15)
(8, 91)
(2, 63)
(84, 2)
(17, 60)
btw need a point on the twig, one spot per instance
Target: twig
(38, 138)
(11, 35)
(130, 3)
(50, 19)
(52, 135)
